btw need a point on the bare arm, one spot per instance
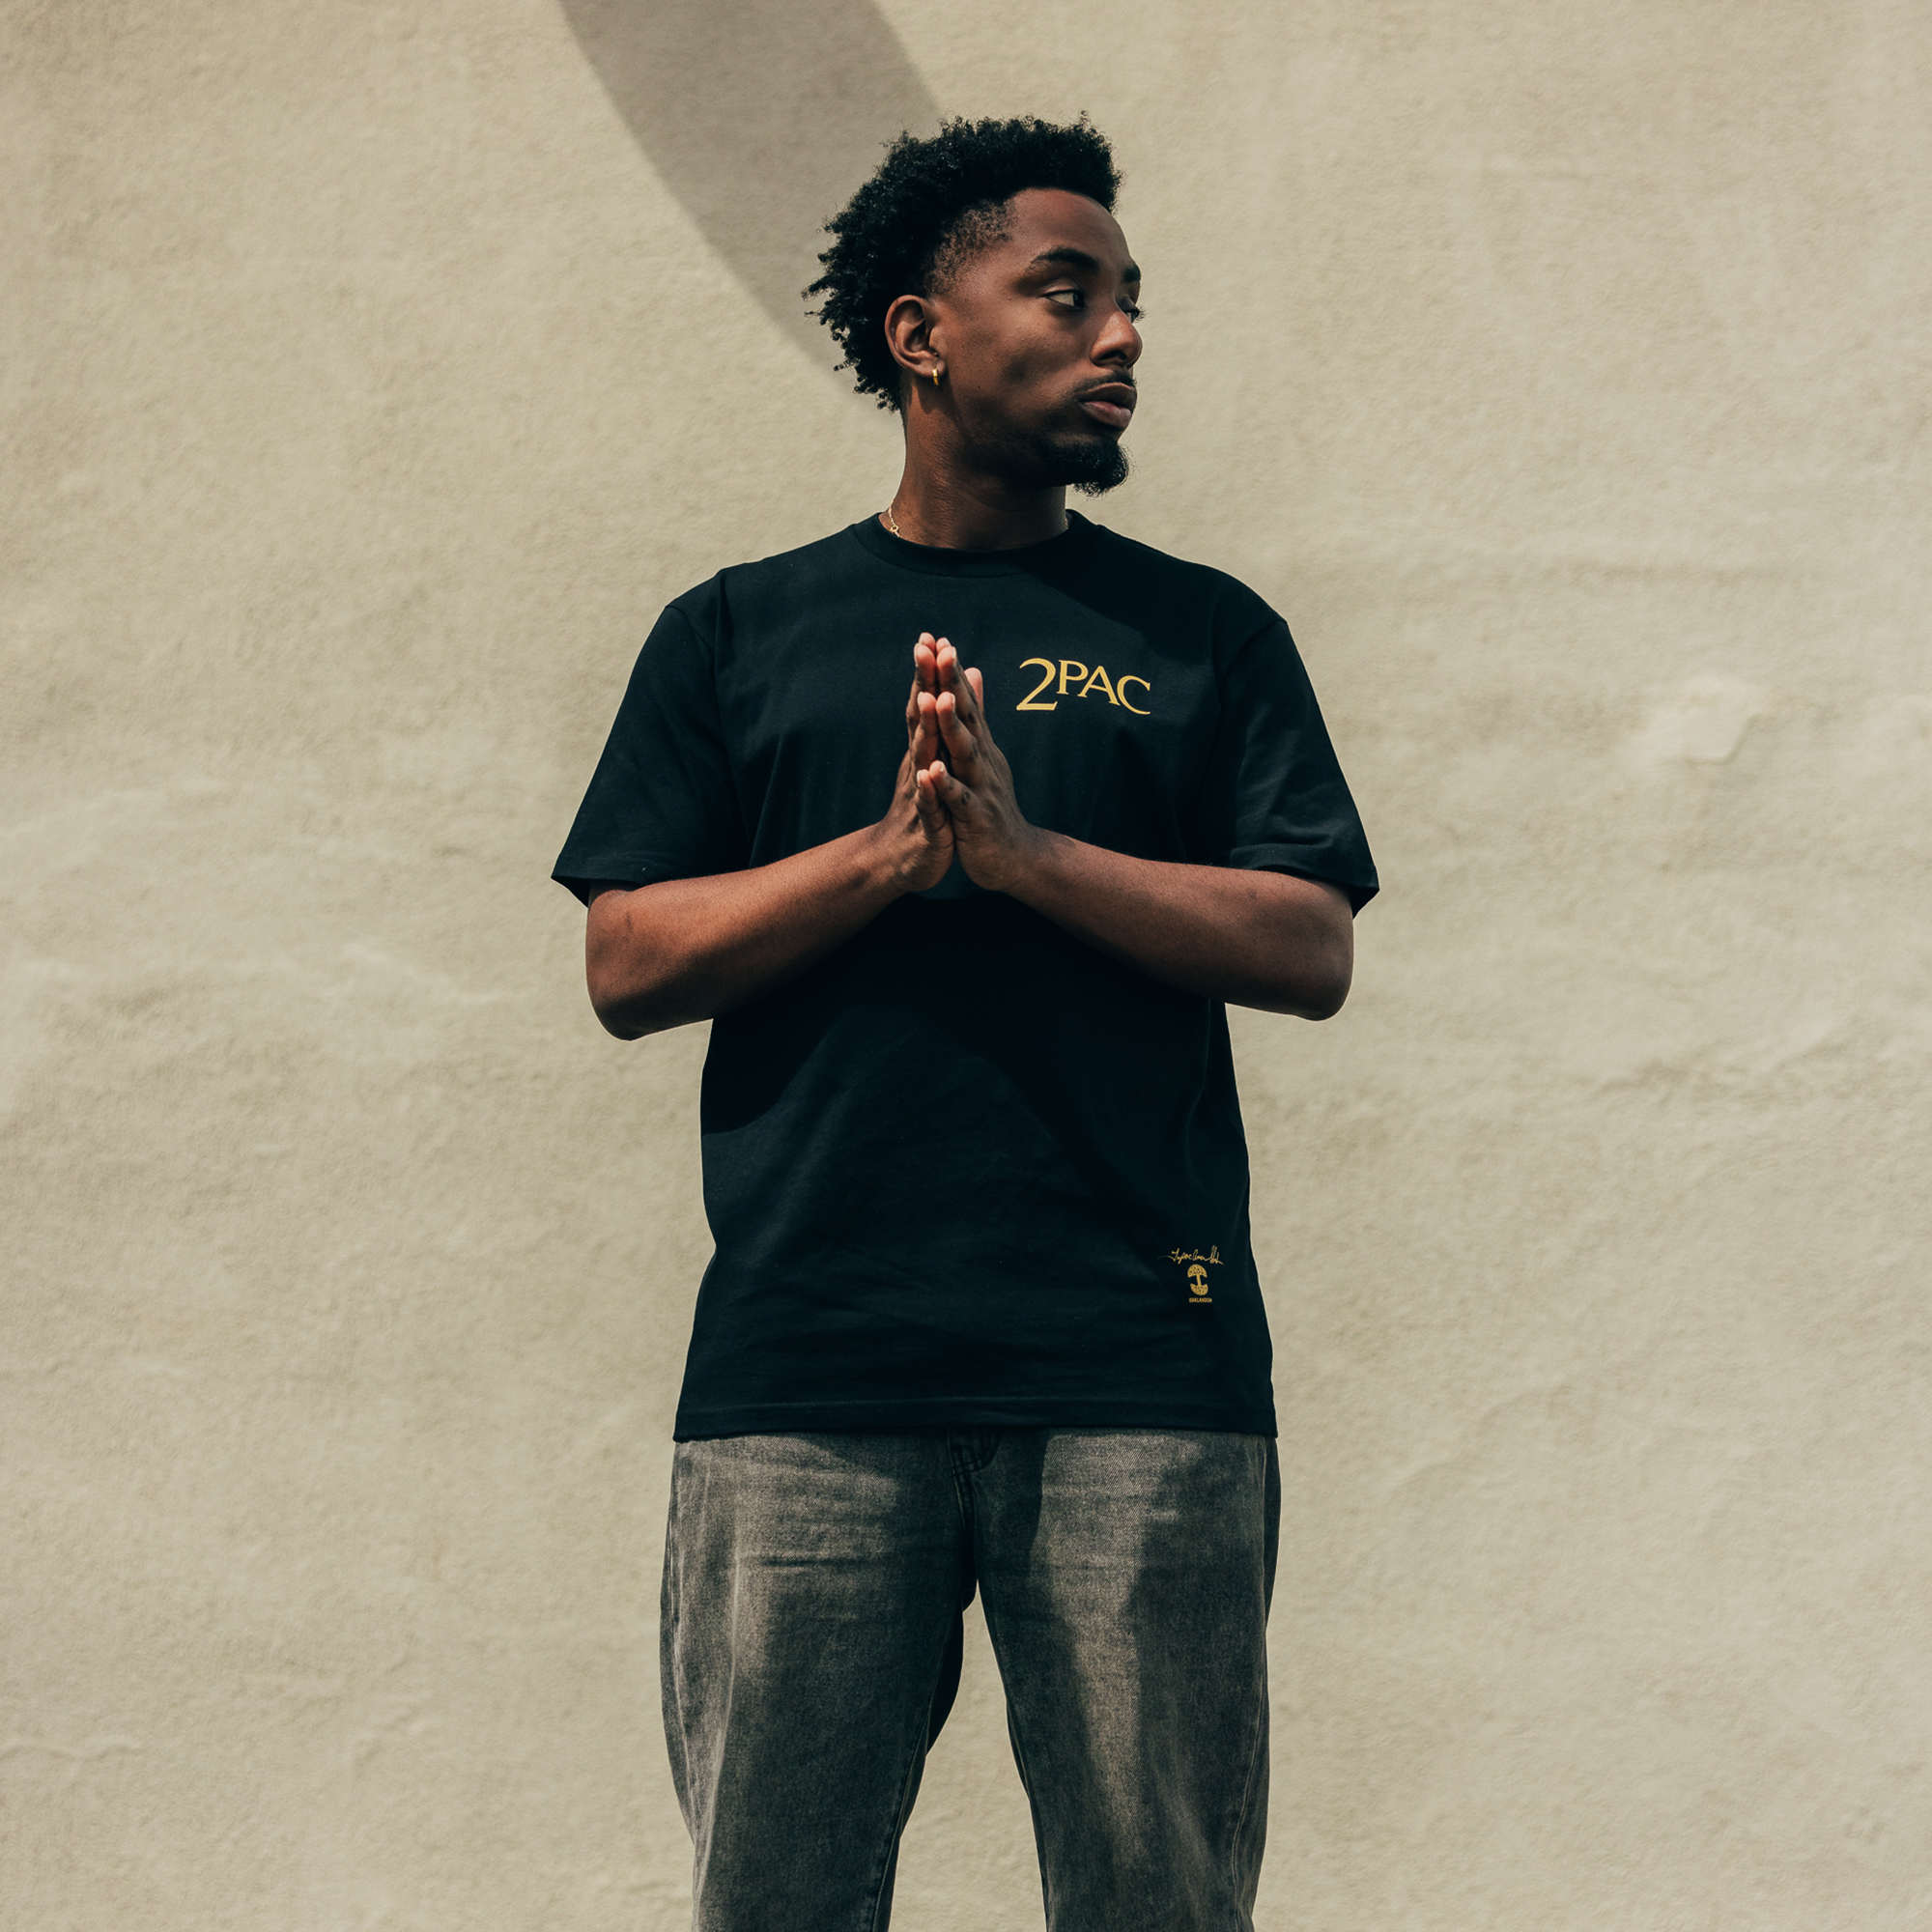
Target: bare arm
(1255, 939)
(661, 956)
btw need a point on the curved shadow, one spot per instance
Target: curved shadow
(761, 118)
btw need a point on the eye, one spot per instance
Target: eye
(1073, 299)
(1134, 313)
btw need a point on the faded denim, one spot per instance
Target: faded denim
(813, 1588)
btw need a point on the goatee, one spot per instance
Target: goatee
(1089, 463)
(1096, 468)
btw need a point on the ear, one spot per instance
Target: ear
(913, 333)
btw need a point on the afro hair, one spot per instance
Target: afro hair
(929, 201)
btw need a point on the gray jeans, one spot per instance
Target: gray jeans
(813, 1588)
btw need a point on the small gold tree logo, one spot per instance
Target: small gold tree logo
(1197, 1266)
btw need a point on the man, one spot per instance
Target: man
(982, 1312)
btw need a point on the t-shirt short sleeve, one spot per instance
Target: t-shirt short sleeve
(662, 803)
(1273, 798)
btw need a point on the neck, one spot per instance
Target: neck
(939, 505)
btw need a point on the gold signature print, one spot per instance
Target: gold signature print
(1197, 1264)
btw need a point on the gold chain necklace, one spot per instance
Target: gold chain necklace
(892, 524)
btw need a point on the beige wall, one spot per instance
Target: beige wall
(373, 373)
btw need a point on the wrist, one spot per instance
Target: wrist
(1026, 859)
(889, 862)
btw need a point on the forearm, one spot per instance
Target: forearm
(1253, 939)
(661, 956)
(685, 949)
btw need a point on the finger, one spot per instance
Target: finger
(965, 685)
(925, 683)
(949, 791)
(972, 695)
(925, 729)
(924, 674)
(961, 745)
(926, 796)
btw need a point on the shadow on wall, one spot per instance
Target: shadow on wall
(761, 117)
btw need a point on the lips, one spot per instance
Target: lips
(1110, 402)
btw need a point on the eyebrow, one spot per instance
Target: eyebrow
(1070, 257)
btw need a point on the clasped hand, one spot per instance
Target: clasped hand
(955, 790)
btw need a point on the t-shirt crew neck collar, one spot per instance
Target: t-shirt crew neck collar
(1073, 542)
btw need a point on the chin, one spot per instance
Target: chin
(1105, 467)
(1091, 465)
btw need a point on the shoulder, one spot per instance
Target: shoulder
(784, 573)
(765, 584)
(1196, 592)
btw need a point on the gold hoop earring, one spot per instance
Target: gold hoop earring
(935, 378)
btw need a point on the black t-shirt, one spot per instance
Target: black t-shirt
(966, 1169)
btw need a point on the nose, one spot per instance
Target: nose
(1119, 340)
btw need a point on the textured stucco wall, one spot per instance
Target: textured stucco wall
(374, 371)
